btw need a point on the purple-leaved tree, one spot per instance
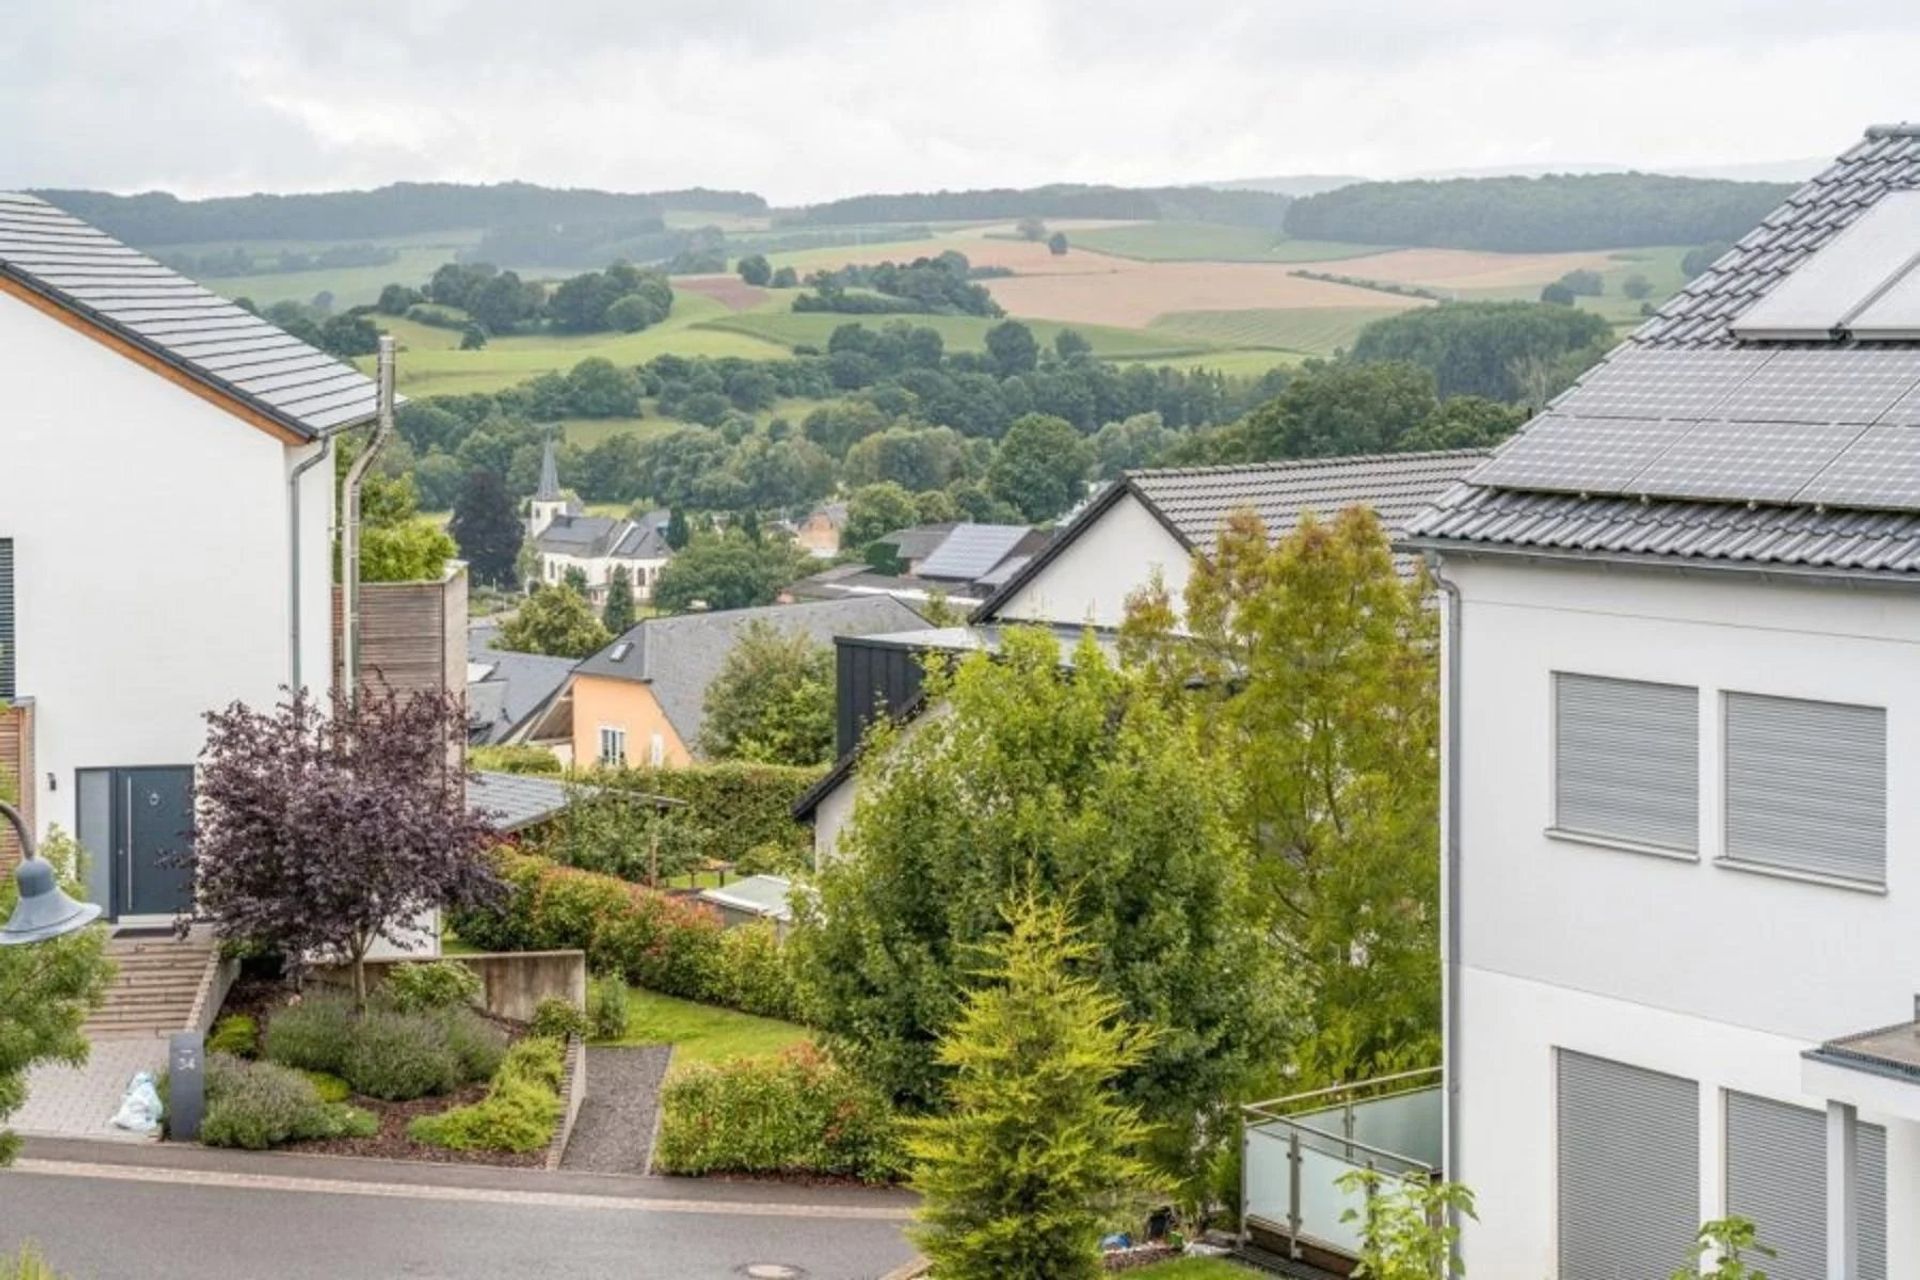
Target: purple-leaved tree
(325, 828)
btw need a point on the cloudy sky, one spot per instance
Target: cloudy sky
(809, 99)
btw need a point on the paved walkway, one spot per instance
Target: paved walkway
(614, 1132)
(79, 1102)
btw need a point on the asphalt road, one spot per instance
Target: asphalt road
(157, 1224)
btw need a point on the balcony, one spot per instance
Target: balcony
(1298, 1148)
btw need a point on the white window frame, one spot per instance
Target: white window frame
(616, 737)
(657, 749)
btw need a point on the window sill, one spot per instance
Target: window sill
(1804, 877)
(1625, 846)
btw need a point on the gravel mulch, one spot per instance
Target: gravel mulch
(614, 1133)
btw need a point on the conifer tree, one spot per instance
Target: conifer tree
(618, 613)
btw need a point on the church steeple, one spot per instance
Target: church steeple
(549, 476)
(549, 503)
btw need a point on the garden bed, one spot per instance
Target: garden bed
(392, 1142)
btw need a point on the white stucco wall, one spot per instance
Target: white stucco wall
(1089, 581)
(151, 548)
(830, 818)
(1688, 967)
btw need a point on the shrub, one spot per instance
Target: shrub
(331, 1088)
(736, 812)
(312, 1035)
(795, 1113)
(236, 1035)
(477, 1045)
(754, 976)
(399, 1056)
(557, 1019)
(608, 1011)
(433, 984)
(520, 1109)
(256, 1105)
(28, 1264)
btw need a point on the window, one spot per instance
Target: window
(613, 746)
(657, 751)
(1807, 786)
(1777, 1176)
(1629, 1168)
(6, 619)
(1626, 760)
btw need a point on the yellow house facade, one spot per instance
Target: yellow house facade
(618, 723)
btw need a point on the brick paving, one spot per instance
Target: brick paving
(79, 1102)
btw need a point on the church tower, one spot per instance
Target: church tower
(548, 502)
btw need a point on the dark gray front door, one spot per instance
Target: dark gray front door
(155, 824)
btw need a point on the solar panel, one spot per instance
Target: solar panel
(1905, 411)
(1880, 469)
(1823, 386)
(1660, 383)
(1821, 294)
(1579, 455)
(1744, 461)
(971, 550)
(1892, 316)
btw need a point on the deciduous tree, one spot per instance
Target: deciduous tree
(755, 270)
(726, 571)
(487, 528)
(772, 702)
(1041, 466)
(554, 620)
(327, 827)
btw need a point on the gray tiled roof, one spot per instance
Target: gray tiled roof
(519, 684)
(1793, 531)
(579, 535)
(1197, 500)
(223, 346)
(680, 655)
(515, 801)
(971, 550)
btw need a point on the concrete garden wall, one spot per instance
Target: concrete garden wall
(516, 981)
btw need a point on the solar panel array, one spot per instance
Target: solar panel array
(971, 550)
(1825, 427)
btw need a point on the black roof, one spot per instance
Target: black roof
(222, 346)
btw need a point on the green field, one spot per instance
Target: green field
(1314, 331)
(1210, 242)
(1660, 264)
(704, 1032)
(961, 333)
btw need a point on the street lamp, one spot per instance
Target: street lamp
(44, 911)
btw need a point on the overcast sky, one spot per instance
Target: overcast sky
(809, 99)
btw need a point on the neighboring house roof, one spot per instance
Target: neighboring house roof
(127, 296)
(920, 541)
(768, 896)
(512, 688)
(642, 542)
(1193, 502)
(972, 550)
(848, 580)
(679, 656)
(516, 801)
(1692, 445)
(578, 535)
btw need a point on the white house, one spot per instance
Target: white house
(1683, 684)
(164, 539)
(1147, 525)
(566, 539)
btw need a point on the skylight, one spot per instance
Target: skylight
(1862, 283)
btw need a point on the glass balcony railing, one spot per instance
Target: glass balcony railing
(1298, 1148)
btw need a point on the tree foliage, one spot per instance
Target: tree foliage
(46, 990)
(617, 615)
(1318, 663)
(772, 701)
(1476, 348)
(1040, 469)
(1034, 1158)
(876, 510)
(1406, 1225)
(1085, 789)
(727, 571)
(487, 528)
(555, 620)
(327, 827)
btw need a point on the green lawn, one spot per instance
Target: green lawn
(705, 1033)
(1210, 242)
(1196, 1269)
(1316, 331)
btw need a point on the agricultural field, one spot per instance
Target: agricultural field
(960, 333)
(350, 286)
(1660, 265)
(1210, 242)
(1132, 294)
(1313, 331)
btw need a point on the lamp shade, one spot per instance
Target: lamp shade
(43, 911)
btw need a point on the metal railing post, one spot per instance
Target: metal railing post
(1293, 1194)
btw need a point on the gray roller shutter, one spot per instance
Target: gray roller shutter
(1807, 786)
(6, 618)
(1627, 760)
(1777, 1179)
(1629, 1169)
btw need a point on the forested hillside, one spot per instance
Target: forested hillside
(1173, 204)
(1553, 213)
(404, 208)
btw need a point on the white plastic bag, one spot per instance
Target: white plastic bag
(140, 1108)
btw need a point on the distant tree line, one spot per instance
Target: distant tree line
(941, 285)
(1197, 204)
(403, 208)
(239, 261)
(622, 297)
(1551, 213)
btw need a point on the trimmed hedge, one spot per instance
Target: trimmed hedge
(797, 1112)
(675, 946)
(739, 813)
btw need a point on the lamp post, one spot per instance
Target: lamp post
(44, 911)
